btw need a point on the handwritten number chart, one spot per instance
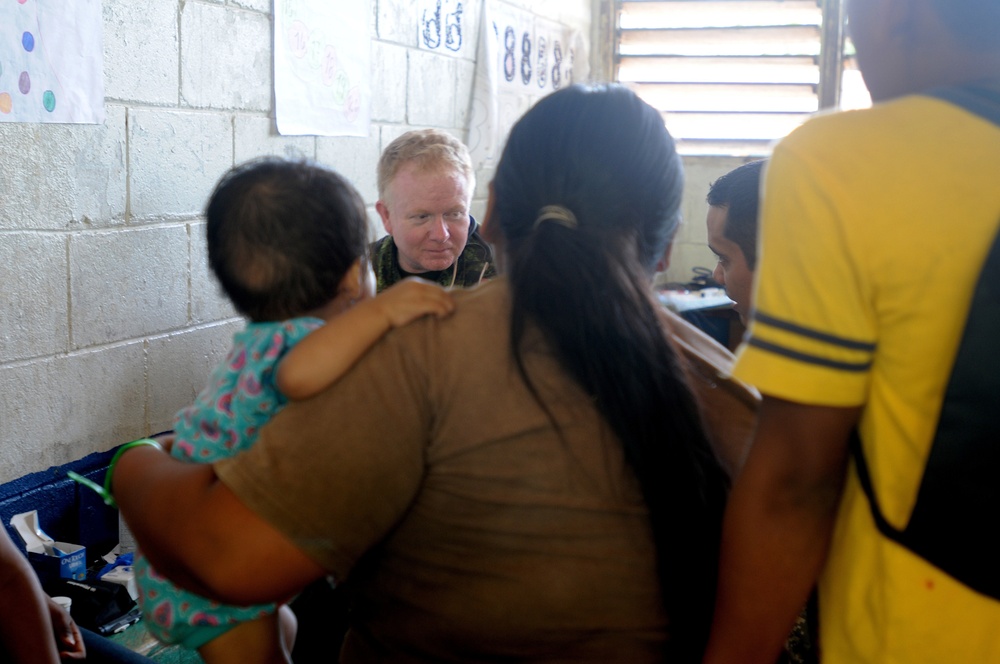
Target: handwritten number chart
(535, 56)
(51, 61)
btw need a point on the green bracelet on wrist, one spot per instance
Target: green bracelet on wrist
(105, 491)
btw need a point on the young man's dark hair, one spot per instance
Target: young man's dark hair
(739, 192)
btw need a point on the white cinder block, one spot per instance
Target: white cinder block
(355, 158)
(61, 409)
(478, 211)
(263, 6)
(128, 283)
(208, 302)
(430, 89)
(220, 65)
(389, 133)
(55, 175)
(464, 79)
(141, 51)
(483, 178)
(577, 13)
(685, 257)
(178, 366)
(397, 21)
(375, 228)
(388, 82)
(34, 315)
(256, 137)
(175, 159)
(699, 174)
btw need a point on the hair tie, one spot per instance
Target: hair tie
(557, 214)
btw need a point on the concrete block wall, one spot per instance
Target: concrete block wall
(109, 317)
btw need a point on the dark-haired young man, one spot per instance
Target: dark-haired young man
(734, 200)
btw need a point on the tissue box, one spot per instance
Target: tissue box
(123, 576)
(51, 559)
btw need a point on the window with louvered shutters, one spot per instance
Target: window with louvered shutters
(731, 76)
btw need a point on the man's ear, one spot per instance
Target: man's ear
(383, 213)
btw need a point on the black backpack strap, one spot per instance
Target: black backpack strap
(865, 479)
(954, 518)
(953, 521)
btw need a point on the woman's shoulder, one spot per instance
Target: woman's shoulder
(728, 405)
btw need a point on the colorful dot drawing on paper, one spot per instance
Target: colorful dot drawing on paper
(353, 104)
(317, 47)
(5, 103)
(322, 51)
(298, 39)
(50, 61)
(341, 87)
(329, 65)
(316, 61)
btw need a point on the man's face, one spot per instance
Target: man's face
(732, 271)
(427, 215)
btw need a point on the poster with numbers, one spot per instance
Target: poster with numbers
(520, 58)
(322, 67)
(51, 61)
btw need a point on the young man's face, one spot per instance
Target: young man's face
(732, 270)
(427, 215)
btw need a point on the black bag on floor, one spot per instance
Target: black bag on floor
(95, 603)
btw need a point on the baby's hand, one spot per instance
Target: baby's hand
(411, 299)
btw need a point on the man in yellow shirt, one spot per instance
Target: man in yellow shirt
(875, 226)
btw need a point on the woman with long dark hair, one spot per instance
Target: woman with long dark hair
(528, 479)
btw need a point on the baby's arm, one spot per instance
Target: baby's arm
(327, 353)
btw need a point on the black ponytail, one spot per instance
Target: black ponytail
(604, 160)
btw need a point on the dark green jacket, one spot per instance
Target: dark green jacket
(475, 263)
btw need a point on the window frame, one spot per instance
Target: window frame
(829, 62)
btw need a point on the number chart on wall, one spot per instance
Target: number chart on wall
(322, 63)
(536, 56)
(520, 58)
(51, 61)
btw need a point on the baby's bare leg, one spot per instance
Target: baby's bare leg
(258, 641)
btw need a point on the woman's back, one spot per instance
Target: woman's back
(506, 537)
(523, 541)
